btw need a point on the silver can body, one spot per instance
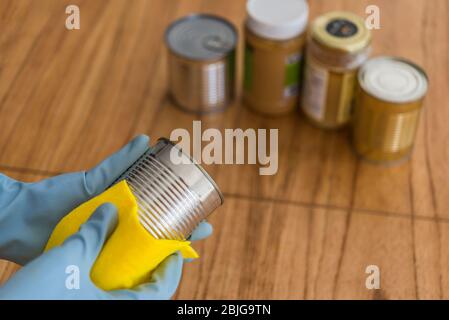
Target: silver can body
(173, 197)
(201, 63)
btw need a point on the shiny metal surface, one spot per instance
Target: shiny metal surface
(172, 198)
(201, 37)
(201, 62)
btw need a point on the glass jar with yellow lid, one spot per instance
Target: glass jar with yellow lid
(274, 43)
(338, 44)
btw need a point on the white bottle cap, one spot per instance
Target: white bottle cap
(393, 79)
(277, 19)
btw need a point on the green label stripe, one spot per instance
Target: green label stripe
(292, 73)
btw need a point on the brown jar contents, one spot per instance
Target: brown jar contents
(274, 46)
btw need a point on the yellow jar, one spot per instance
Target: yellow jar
(274, 44)
(338, 44)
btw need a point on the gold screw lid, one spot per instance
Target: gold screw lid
(342, 31)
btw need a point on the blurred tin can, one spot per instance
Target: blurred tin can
(388, 104)
(338, 44)
(174, 194)
(201, 62)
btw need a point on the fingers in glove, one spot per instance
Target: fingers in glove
(105, 173)
(61, 194)
(162, 285)
(89, 240)
(202, 231)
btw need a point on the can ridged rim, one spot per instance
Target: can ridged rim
(160, 210)
(203, 171)
(194, 16)
(418, 68)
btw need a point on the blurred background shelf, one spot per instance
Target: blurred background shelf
(70, 98)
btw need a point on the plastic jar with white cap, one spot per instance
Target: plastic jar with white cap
(274, 45)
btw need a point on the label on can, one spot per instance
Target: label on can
(292, 74)
(315, 91)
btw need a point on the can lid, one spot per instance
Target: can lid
(201, 37)
(277, 20)
(393, 79)
(341, 30)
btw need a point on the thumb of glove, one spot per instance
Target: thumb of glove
(88, 242)
(105, 173)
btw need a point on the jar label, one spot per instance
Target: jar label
(347, 87)
(315, 91)
(292, 74)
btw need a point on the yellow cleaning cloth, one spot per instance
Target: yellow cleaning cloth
(131, 252)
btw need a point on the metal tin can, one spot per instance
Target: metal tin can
(274, 45)
(338, 44)
(388, 104)
(172, 196)
(201, 62)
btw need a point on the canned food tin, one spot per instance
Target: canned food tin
(388, 104)
(201, 62)
(172, 198)
(338, 44)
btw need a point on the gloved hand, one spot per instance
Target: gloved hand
(54, 275)
(30, 211)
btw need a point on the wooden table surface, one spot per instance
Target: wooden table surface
(70, 98)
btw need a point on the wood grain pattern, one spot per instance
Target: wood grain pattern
(266, 250)
(70, 98)
(7, 270)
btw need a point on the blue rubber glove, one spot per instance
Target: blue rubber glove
(64, 271)
(30, 211)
